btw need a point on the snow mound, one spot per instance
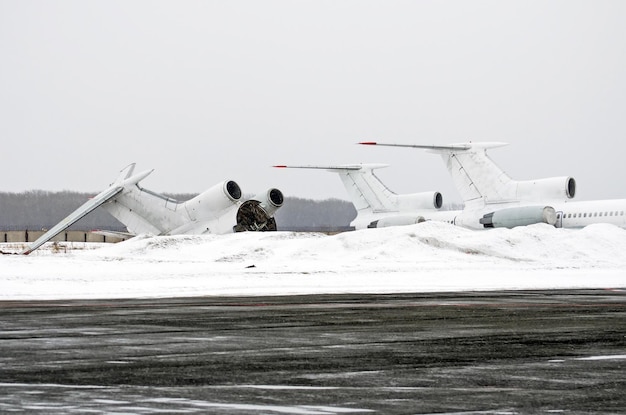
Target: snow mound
(431, 244)
(429, 256)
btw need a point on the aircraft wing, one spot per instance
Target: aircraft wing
(75, 216)
(426, 147)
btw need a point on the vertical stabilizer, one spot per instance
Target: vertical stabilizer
(476, 177)
(365, 189)
(367, 193)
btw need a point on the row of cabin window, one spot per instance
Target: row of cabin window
(595, 214)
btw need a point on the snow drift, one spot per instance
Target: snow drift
(425, 257)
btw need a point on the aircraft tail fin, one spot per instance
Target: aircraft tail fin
(124, 174)
(124, 179)
(366, 191)
(476, 177)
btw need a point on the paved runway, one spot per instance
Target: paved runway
(496, 352)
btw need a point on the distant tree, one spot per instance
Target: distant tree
(39, 209)
(307, 214)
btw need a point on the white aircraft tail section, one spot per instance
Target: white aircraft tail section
(475, 175)
(480, 178)
(494, 200)
(125, 173)
(125, 179)
(366, 191)
(218, 210)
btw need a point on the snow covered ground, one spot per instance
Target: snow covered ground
(421, 258)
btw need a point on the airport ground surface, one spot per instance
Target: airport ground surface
(495, 352)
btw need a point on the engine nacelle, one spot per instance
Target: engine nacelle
(214, 200)
(270, 201)
(257, 214)
(519, 216)
(396, 221)
(553, 188)
(424, 200)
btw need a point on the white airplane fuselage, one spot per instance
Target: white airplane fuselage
(218, 210)
(583, 213)
(214, 211)
(566, 214)
(385, 219)
(493, 199)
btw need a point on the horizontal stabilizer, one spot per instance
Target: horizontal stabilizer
(125, 173)
(438, 148)
(451, 147)
(336, 168)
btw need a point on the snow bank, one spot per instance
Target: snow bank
(420, 258)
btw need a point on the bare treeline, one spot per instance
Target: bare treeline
(39, 209)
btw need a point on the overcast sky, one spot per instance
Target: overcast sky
(204, 91)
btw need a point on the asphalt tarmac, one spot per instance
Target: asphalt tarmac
(489, 353)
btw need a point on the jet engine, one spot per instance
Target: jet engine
(257, 213)
(396, 221)
(519, 216)
(271, 201)
(214, 200)
(424, 200)
(553, 188)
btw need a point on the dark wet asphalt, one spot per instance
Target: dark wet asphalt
(499, 352)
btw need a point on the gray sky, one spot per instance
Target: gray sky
(204, 91)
